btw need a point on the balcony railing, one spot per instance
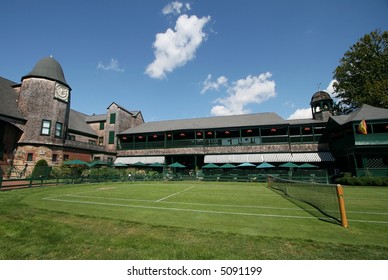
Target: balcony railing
(237, 141)
(84, 145)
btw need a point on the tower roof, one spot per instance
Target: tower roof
(48, 68)
(319, 96)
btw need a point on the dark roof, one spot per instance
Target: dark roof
(209, 123)
(366, 112)
(134, 113)
(8, 104)
(320, 95)
(77, 123)
(48, 68)
(95, 118)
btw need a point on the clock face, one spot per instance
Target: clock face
(61, 92)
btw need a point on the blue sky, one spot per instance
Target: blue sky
(187, 59)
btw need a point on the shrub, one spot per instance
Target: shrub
(41, 169)
(363, 181)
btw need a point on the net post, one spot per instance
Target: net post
(269, 181)
(341, 201)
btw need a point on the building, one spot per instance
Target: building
(36, 122)
(331, 142)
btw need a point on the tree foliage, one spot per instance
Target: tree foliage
(362, 76)
(41, 169)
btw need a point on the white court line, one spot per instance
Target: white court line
(181, 203)
(205, 204)
(182, 209)
(200, 211)
(171, 195)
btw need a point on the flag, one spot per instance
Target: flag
(362, 127)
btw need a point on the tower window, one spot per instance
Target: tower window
(46, 126)
(58, 129)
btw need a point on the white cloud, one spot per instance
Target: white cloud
(174, 49)
(221, 81)
(304, 113)
(176, 8)
(251, 90)
(113, 66)
(330, 90)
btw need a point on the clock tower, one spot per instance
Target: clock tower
(44, 100)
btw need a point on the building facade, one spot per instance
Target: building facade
(37, 122)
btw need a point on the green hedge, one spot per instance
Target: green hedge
(363, 181)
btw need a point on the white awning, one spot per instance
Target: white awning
(146, 160)
(270, 157)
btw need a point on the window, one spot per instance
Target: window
(46, 125)
(113, 118)
(65, 157)
(55, 158)
(111, 137)
(101, 141)
(29, 156)
(58, 129)
(102, 125)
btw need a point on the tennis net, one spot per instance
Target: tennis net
(326, 198)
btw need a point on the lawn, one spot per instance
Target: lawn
(185, 220)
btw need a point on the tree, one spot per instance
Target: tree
(41, 169)
(362, 76)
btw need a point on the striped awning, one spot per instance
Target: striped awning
(270, 157)
(146, 160)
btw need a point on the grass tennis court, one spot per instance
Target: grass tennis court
(185, 220)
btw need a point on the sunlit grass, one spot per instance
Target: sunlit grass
(184, 220)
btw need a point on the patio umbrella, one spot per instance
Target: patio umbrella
(307, 165)
(157, 164)
(75, 162)
(139, 164)
(177, 165)
(210, 165)
(265, 165)
(289, 165)
(120, 165)
(97, 163)
(246, 164)
(228, 165)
